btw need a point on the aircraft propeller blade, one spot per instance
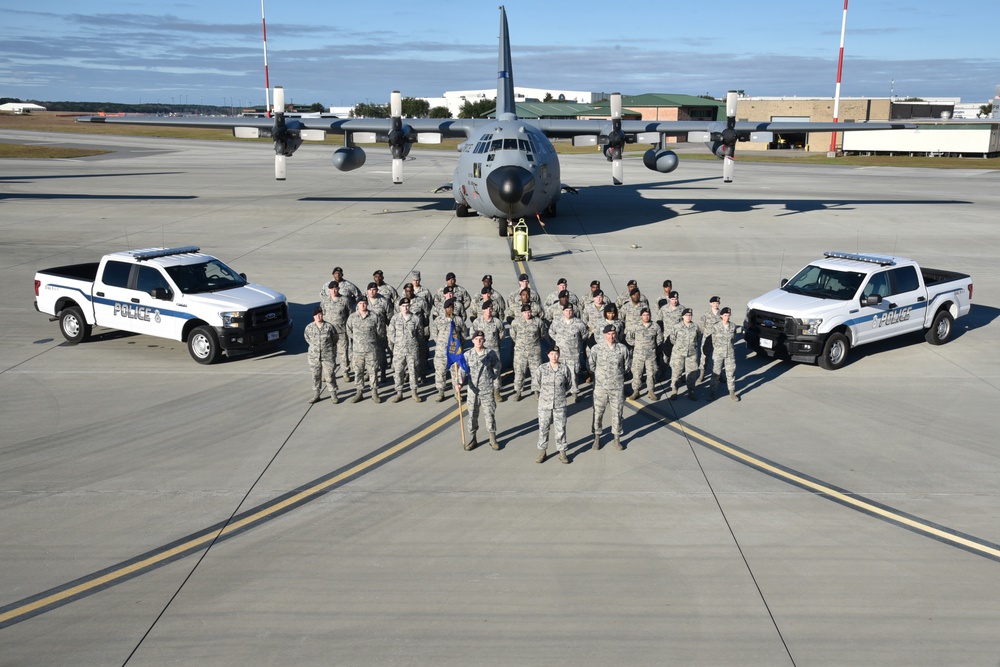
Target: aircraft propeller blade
(279, 132)
(396, 135)
(616, 141)
(279, 167)
(729, 138)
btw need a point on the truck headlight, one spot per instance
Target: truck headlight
(232, 319)
(809, 326)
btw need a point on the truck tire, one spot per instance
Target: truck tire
(940, 330)
(203, 345)
(74, 328)
(834, 352)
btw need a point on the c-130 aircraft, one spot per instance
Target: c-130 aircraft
(508, 168)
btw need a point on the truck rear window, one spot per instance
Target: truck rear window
(116, 274)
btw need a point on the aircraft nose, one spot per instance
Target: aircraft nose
(509, 185)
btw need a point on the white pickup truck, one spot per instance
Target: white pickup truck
(849, 299)
(176, 293)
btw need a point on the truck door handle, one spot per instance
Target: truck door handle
(921, 298)
(100, 293)
(135, 300)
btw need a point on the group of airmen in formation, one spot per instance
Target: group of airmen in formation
(365, 332)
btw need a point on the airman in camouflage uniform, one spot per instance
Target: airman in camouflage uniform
(684, 357)
(527, 332)
(420, 309)
(624, 298)
(459, 293)
(365, 329)
(550, 381)
(645, 339)
(631, 310)
(569, 333)
(706, 324)
(381, 306)
(385, 289)
(593, 317)
(554, 311)
(420, 292)
(490, 294)
(668, 287)
(562, 286)
(608, 361)
(724, 338)
(322, 339)
(527, 297)
(438, 309)
(495, 331)
(336, 310)
(611, 317)
(514, 300)
(669, 317)
(404, 335)
(484, 367)
(347, 288)
(440, 329)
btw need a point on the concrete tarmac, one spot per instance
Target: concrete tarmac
(157, 511)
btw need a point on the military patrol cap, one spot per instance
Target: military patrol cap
(561, 281)
(478, 333)
(372, 286)
(563, 293)
(487, 304)
(673, 295)
(715, 299)
(449, 303)
(608, 328)
(687, 311)
(450, 276)
(415, 275)
(525, 307)
(668, 283)
(555, 348)
(523, 276)
(404, 301)
(726, 311)
(378, 272)
(487, 277)
(333, 284)
(644, 311)
(318, 310)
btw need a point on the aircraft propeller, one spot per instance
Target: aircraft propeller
(727, 151)
(398, 143)
(279, 133)
(616, 140)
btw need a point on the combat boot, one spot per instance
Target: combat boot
(693, 396)
(357, 398)
(653, 396)
(334, 399)
(416, 396)
(375, 396)
(542, 455)
(498, 397)
(440, 398)
(597, 442)
(493, 441)
(562, 456)
(398, 397)
(673, 394)
(576, 398)
(517, 396)
(711, 395)
(471, 443)
(634, 396)
(732, 395)
(618, 442)
(314, 399)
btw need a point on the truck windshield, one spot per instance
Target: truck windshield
(825, 283)
(210, 276)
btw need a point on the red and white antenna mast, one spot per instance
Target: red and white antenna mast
(267, 81)
(840, 70)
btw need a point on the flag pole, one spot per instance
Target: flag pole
(458, 397)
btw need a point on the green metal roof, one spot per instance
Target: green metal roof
(603, 108)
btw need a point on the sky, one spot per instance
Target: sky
(341, 52)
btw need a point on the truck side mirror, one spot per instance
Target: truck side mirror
(784, 281)
(872, 300)
(160, 293)
(243, 276)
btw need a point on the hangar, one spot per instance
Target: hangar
(19, 108)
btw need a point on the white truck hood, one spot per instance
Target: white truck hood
(796, 305)
(239, 298)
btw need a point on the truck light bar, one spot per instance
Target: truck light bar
(871, 259)
(141, 255)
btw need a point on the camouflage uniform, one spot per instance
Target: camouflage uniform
(553, 297)
(381, 306)
(723, 340)
(365, 333)
(608, 363)
(569, 335)
(499, 304)
(668, 317)
(347, 288)
(537, 313)
(439, 329)
(483, 371)
(631, 314)
(421, 310)
(554, 311)
(336, 311)
(404, 334)
(551, 385)
(707, 324)
(495, 332)
(684, 357)
(645, 340)
(619, 330)
(389, 293)
(626, 297)
(527, 336)
(322, 340)
(461, 296)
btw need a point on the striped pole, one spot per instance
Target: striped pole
(840, 70)
(267, 81)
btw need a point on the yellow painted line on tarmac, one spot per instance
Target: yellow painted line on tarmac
(19, 611)
(915, 524)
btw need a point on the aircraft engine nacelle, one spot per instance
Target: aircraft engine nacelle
(663, 161)
(288, 144)
(348, 158)
(719, 148)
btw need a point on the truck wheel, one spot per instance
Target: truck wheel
(74, 328)
(834, 352)
(940, 330)
(203, 345)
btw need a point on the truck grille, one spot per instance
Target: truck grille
(268, 317)
(773, 322)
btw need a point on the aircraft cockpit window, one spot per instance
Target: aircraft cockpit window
(525, 148)
(496, 145)
(510, 144)
(486, 137)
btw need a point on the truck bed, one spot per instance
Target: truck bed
(86, 271)
(933, 277)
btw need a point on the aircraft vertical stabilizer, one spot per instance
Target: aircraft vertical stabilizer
(506, 108)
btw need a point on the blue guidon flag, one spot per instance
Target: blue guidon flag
(455, 355)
